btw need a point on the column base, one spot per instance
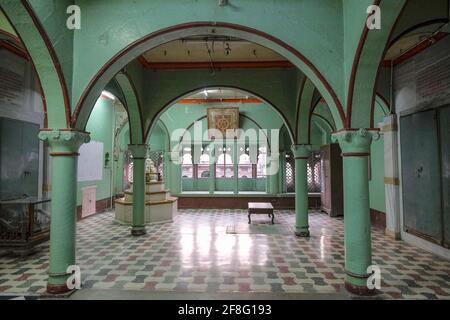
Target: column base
(58, 289)
(360, 290)
(138, 231)
(302, 232)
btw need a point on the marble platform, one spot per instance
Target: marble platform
(160, 206)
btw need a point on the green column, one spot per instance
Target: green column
(355, 145)
(139, 153)
(212, 169)
(301, 154)
(235, 167)
(175, 172)
(273, 170)
(64, 145)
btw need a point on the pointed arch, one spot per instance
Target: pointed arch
(138, 47)
(133, 105)
(179, 96)
(367, 61)
(303, 117)
(32, 35)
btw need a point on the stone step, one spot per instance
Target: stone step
(157, 196)
(155, 211)
(155, 186)
(150, 196)
(161, 211)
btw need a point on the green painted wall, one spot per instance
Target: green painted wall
(157, 140)
(100, 125)
(181, 116)
(312, 36)
(376, 184)
(327, 33)
(278, 86)
(317, 137)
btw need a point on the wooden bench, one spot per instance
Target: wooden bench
(260, 208)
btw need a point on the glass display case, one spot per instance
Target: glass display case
(24, 223)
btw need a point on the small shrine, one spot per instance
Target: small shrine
(160, 206)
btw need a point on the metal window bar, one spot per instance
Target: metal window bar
(158, 160)
(313, 173)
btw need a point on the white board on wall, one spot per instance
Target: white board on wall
(90, 162)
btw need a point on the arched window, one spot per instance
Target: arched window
(262, 161)
(224, 167)
(289, 172)
(204, 159)
(203, 166)
(245, 166)
(314, 173)
(187, 167)
(187, 159)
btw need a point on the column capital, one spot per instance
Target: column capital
(355, 142)
(138, 151)
(301, 151)
(64, 142)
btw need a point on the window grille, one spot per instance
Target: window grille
(158, 160)
(313, 173)
(290, 173)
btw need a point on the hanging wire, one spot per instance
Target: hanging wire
(213, 71)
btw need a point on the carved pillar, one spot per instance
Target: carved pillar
(139, 153)
(64, 145)
(355, 145)
(391, 180)
(301, 154)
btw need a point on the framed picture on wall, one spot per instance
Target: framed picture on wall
(225, 120)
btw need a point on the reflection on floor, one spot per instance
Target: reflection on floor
(196, 254)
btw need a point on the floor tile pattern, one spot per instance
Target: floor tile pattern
(196, 254)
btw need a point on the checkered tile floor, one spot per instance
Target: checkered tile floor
(195, 254)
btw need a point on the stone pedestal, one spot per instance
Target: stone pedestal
(160, 206)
